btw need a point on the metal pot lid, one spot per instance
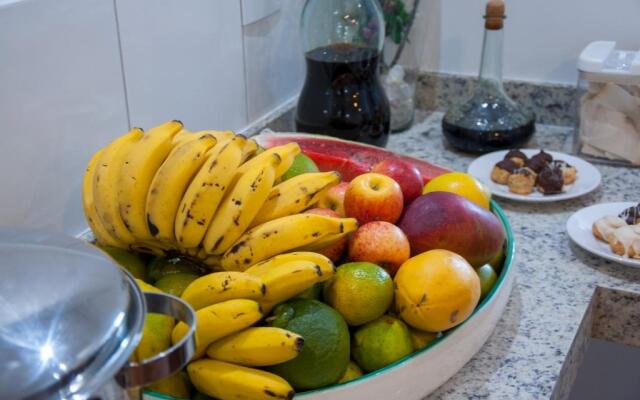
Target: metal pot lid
(69, 317)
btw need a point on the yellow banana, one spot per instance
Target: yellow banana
(139, 168)
(221, 286)
(100, 233)
(287, 153)
(170, 183)
(105, 184)
(287, 280)
(257, 347)
(227, 381)
(324, 263)
(295, 195)
(205, 192)
(240, 205)
(293, 232)
(182, 136)
(249, 150)
(219, 320)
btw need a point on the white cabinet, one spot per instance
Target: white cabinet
(61, 97)
(183, 60)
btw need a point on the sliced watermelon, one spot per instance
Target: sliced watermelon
(349, 158)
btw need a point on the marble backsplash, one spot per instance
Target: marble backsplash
(553, 104)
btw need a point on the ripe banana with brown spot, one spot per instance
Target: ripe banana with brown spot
(170, 183)
(291, 233)
(287, 153)
(101, 234)
(105, 184)
(221, 286)
(240, 206)
(295, 195)
(249, 150)
(219, 320)
(287, 280)
(228, 381)
(138, 170)
(326, 265)
(205, 192)
(257, 347)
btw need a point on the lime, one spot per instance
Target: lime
(381, 342)
(313, 293)
(177, 386)
(488, 278)
(301, 165)
(160, 267)
(127, 260)
(352, 372)
(175, 284)
(421, 339)
(325, 355)
(360, 291)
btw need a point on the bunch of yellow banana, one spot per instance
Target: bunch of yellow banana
(211, 195)
(228, 345)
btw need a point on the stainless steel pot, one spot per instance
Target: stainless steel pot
(70, 319)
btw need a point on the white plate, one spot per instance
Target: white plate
(579, 230)
(588, 178)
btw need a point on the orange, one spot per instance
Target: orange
(463, 184)
(436, 290)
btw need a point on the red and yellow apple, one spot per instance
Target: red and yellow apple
(373, 197)
(403, 172)
(333, 198)
(336, 250)
(380, 243)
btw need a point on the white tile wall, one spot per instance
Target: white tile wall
(183, 60)
(274, 60)
(62, 84)
(61, 96)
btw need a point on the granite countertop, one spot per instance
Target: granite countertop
(554, 278)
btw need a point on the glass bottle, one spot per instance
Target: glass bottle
(342, 95)
(490, 120)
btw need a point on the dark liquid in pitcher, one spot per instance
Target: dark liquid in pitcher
(342, 95)
(479, 141)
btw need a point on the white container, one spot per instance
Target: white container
(608, 105)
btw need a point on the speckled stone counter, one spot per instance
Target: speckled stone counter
(554, 278)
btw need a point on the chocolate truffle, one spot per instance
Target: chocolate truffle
(631, 215)
(536, 164)
(516, 156)
(546, 157)
(550, 180)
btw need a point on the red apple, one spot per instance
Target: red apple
(336, 250)
(333, 199)
(373, 197)
(381, 243)
(403, 172)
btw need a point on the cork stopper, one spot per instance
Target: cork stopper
(494, 16)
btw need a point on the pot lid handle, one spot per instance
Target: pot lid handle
(170, 361)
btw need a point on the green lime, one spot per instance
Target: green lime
(175, 284)
(301, 165)
(127, 260)
(352, 372)
(313, 293)
(421, 339)
(360, 291)
(381, 342)
(160, 267)
(176, 386)
(325, 354)
(488, 278)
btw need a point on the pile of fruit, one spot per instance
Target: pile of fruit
(251, 237)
